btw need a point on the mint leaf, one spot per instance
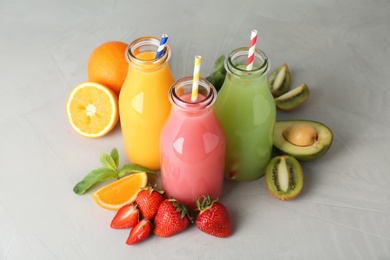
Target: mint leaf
(95, 176)
(115, 156)
(133, 168)
(218, 76)
(108, 171)
(219, 64)
(108, 161)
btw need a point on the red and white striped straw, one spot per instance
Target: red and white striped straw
(195, 79)
(251, 51)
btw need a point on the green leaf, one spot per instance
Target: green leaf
(133, 168)
(108, 161)
(115, 156)
(216, 78)
(219, 64)
(95, 176)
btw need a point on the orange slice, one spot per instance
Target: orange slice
(121, 192)
(92, 109)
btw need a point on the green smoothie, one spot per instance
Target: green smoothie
(246, 111)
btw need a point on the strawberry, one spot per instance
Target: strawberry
(213, 218)
(126, 217)
(139, 232)
(172, 217)
(148, 201)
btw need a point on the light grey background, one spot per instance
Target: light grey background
(341, 49)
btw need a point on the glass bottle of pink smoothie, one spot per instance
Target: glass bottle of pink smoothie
(192, 144)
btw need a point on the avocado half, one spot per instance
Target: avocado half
(311, 152)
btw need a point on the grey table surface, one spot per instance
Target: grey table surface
(341, 49)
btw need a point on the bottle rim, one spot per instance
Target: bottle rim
(146, 44)
(184, 86)
(239, 56)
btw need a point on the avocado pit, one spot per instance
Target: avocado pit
(300, 134)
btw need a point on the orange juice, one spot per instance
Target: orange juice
(143, 101)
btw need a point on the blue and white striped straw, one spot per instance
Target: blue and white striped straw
(161, 47)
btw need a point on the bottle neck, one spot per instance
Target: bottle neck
(180, 95)
(141, 53)
(235, 64)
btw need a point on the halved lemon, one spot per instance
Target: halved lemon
(92, 109)
(121, 192)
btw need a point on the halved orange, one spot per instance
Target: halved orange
(92, 109)
(121, 192)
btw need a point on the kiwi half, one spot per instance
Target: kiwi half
(279, 80)
(284, 177)
(293, 99)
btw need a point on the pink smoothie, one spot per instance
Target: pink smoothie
(192, 154)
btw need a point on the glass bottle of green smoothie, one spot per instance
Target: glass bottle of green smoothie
(246, 110)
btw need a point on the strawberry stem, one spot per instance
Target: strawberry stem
(205, 204)
(182, 208)
(151, 188)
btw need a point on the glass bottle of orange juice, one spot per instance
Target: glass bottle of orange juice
(143, 102)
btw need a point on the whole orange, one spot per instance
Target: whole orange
(108, 66)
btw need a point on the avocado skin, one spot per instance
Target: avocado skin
(310, 153)
(307, 158)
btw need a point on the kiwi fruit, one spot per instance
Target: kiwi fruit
(284, 177)
(279, 80)
(293, 99)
